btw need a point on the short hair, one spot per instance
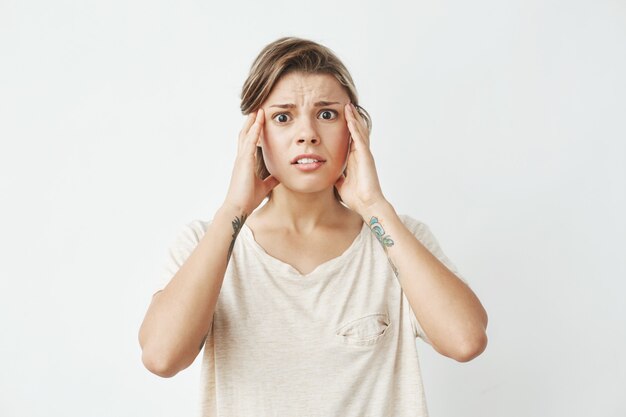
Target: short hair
(286, 55)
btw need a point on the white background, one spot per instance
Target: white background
(500, 124)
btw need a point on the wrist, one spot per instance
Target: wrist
(231, 210)
(378, 208)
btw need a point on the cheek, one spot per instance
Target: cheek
(343, 139)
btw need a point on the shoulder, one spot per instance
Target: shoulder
(192, 232)
(415, 226)
(423, 233)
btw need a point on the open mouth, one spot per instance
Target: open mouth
(303, 161)
(307, 158)
(308, 163)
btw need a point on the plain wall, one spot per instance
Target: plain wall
(500, 124)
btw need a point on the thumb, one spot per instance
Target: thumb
(340, 181)
(269, 183)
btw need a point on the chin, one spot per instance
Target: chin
(304, 183)
(312, 187)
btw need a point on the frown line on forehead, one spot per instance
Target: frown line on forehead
(317, 104)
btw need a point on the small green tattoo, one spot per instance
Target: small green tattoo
(237, 225)
(384, 240)
(378, 230)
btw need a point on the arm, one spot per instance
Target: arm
(447, 309)
(179, 317)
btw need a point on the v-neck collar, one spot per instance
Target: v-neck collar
(287, 269)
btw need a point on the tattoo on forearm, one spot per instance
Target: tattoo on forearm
(384, 239)
(237, 225)
(378, 230)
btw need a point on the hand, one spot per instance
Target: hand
(246, 191)
(360, 187)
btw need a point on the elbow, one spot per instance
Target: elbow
(155, 360)
(474, 343)
(471, 347)
(158, 364)
(162, 359)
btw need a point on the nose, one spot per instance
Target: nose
(311, 140)
(307, 132)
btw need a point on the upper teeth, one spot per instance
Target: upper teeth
(306, 161)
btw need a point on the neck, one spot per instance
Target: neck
(303, 212)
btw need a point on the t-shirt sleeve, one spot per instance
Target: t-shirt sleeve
(422, 232)
(178, 252)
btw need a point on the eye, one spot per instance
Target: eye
(328, 114)
(281, 118)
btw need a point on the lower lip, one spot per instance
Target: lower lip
(309, 167)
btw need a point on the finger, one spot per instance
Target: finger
(362, 126)
(359, 116)
(269, 183)
(247, 124)
(242, 133)
(345, 164)
(255, 129)
(355, 131)
(252, 137)
(358, 126)
(340, 180)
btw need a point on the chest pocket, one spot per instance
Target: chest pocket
(364, 331)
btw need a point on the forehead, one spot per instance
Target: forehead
(299, 86)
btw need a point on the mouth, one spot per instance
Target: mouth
(308, 162)
(307, 159)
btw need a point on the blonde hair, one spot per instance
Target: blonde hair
(291, 54)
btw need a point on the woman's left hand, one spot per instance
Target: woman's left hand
(359, 188)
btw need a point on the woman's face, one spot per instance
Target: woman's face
(305, 136)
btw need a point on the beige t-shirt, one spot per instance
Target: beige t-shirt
(339, 341)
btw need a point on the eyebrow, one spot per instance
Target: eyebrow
(318, 104)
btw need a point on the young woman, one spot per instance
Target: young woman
(310, 304)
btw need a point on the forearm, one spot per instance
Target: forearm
(180, 315)
(448, 310)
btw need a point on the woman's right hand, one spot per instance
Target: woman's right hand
(246, 191)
